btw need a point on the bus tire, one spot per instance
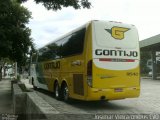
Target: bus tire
(65, 93)
(57, 91)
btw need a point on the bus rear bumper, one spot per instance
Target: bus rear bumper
(112, 94)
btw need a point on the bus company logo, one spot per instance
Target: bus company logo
(117, 32)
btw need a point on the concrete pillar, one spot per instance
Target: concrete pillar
(154, 72)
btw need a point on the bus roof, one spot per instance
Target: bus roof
(75, 30)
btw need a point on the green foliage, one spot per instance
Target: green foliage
(58, 4)
(15, 36)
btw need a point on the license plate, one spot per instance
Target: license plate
(118, 90)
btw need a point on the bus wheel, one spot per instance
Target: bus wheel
(57, 91)
(65, 93)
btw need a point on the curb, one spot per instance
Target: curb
(30, 106)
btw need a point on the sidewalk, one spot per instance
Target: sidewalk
(6, 106)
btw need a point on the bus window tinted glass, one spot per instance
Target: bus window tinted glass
(74, 44)
(48, 53)
(67, 46)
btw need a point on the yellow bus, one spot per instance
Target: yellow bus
(97, 61)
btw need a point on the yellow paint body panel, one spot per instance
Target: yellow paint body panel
(105, 82)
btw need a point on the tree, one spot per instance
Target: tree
(14, 35)
(58, 4)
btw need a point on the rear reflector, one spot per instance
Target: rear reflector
(89, 73)
(116, 60)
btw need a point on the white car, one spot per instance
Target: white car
(150, 74)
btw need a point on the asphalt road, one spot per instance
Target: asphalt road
(148, 104)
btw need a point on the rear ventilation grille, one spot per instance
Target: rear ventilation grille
(78, 84)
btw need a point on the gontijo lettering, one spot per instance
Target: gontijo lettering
(52, 65)
(106, 52)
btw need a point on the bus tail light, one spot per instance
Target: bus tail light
(89, 73)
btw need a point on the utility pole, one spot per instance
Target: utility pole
(154, 72)
(15, 70)
(1, 62)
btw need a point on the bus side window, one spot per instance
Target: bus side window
(74, 43)
(67, 46)
(48, 53)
